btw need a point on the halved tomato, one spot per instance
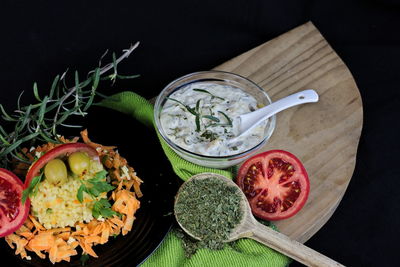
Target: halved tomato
(61, 150)
(12, 212)
(275, 183)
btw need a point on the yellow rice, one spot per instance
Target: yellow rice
(57, 205)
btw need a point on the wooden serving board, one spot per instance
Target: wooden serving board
(323, 135)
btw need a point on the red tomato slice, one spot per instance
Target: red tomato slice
(64, 149)
(275, 183)
(12, 212)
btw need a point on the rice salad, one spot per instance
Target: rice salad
(81, 195)
(57, 206)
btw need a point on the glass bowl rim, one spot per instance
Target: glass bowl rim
(157, 109)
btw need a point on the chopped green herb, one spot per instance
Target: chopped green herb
(198, 116)
(210, 210)
(211, 118)
(102, 208)
(32, 188)
(79, 195)
(197, 120)
(198, 106)
(94, 186)
(49, 211)
(209, 135)
(99, 176)
(207, 92)
(191, 110)
(229, 120)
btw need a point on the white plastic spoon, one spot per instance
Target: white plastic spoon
(249, 120)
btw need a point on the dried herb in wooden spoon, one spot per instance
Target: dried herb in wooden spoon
(209, 210)
(212, 208)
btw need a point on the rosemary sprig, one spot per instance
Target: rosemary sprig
(40, 121)
(229, 120)
(196, 112)
(187, 107)
(207, 92)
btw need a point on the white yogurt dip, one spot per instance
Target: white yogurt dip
(202, 117)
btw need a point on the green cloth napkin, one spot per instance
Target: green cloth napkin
(246, 252)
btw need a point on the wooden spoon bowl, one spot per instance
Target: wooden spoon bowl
(249, 227)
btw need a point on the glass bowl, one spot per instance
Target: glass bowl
(222, 78)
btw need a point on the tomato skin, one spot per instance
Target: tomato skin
(275, 183)
(9, 178)
(64, 149)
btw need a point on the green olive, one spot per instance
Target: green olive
(79, 162)
(55, 171)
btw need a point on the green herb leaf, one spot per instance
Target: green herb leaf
(95, 186)
(122, 77)
(35, 92)
(95, 213)
(211, 118)
(32, 188)
(54, 86)
(207, 92)
(198, 106)
(94, 191)
(102, 208)
(79, 195)
(209, 135)
(101, 174)
(5, 114)
(229, 120)
(96, 79)
(16, 144)
(197, 120)
(42, 110)
(114, 66)
(107, 213)
(103, 186)
(191, 110)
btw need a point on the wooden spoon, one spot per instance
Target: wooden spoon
(249, 227)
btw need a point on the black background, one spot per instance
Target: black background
(40, 39)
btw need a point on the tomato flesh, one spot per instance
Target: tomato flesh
(61, 150)
(12, 212)
(275, 183)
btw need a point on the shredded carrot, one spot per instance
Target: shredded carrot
(36, 223)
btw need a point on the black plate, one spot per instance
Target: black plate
(140, 146)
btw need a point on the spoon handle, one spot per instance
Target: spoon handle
(250, 120)
(290, 248)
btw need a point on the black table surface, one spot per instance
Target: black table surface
(40, 39)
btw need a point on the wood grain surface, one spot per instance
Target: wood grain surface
(323, 135)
